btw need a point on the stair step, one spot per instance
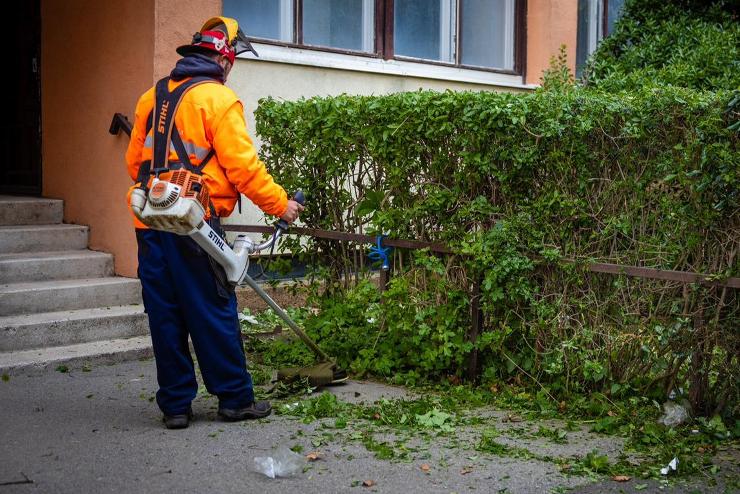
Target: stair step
(42, 238)
(39, 266)
(71, 327)
(30, 210)
(72, 357)
(60, 295)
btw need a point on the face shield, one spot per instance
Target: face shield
(242, 44)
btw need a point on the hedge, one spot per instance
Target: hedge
(517, 184)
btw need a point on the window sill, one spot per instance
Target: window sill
(358, 63)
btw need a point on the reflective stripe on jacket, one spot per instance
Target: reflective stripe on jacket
(210, 115)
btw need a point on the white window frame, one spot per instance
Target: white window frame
(368, 26)
(509, 12)
(448, 31)
(286, 20)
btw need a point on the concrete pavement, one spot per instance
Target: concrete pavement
(100, 431)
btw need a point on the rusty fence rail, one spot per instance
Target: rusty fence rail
(476, 314)
(596, 267)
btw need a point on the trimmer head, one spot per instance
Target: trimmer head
(318, 375)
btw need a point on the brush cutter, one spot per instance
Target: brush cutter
(176, 202)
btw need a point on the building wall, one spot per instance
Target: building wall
(175, 22)
(550, 24)
(256, 79)
(96, 59)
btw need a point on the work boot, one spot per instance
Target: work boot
(177, 421)
(256, 410)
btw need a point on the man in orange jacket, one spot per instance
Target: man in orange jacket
(184, 291)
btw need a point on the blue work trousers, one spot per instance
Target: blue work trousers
(182, 297)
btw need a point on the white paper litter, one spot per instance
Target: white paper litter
(671, 466)
(249, 319)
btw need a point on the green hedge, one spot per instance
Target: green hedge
(688, 43)
(518, 183)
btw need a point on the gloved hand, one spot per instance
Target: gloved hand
(291, 214)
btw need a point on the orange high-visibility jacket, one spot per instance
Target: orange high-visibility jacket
(211, 116)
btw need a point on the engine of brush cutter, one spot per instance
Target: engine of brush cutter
(177, 202)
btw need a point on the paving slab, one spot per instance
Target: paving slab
(100, 431)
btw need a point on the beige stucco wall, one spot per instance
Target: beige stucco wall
(96, 59)
(256, 79)
(550, 24)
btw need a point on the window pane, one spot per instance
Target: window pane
(589, 31)
(488, 33)
(270, 19)
(615, 9)
(424, 29)
(346, 24)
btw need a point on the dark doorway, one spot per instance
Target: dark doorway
(21, 127)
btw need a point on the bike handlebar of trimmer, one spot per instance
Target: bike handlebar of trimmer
(281, 226)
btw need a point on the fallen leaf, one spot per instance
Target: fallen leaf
(466, 470)
(621, 478)
(314, 455)
(425, 467)
(368, 483)
(611, 413)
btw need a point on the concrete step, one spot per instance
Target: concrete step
(73, 357)
(59, 295)
(38, 266)
(17, 210)
(42, 238)
(71, 327)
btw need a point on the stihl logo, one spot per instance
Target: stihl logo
(216, 239)
(162, 116)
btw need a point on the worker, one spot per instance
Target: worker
(185, 292)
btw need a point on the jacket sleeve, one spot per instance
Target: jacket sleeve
(136, 144)
(245, 171)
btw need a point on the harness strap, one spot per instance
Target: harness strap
(165, 133)
(145, 168)
(163, 122)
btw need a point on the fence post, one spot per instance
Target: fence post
(385, 277)
(700, 362)
(476, 326)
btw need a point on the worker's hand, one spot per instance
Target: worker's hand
(291, 214)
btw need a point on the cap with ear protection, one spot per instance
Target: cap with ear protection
(221, 35)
